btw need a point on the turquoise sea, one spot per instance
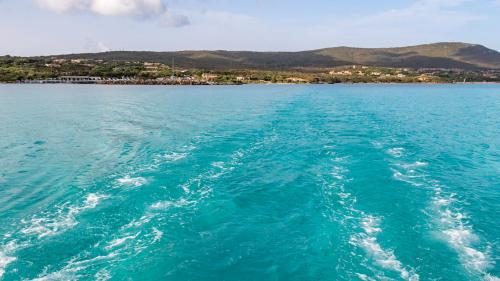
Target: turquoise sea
(269, 182)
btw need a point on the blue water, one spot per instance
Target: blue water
(343, 182)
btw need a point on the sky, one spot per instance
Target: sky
(49, 27)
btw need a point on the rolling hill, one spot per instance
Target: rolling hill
(438, 55)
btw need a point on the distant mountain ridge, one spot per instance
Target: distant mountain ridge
(438, 55)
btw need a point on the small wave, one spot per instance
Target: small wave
(132, 238)
(6, 256)
(140, 222)
(93, 200)
(364, 277)
(338, 173)
(459, 235)
(377, 144)
(396, 152)
(409, 173)
(490, 277)
(157, 234)
(370, 226)
(129, 181)
(451, 222)
(119, 241)
(417, 164)
(47, 226)
(102, 275)
(221, 170)
(185, 187)
(163, 205)
(175, 156)
(408, 178)
(71, 270)
(68, 274)
(63, 219)
(386, 259)
(218, 169)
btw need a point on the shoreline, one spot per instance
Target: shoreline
(243, 84)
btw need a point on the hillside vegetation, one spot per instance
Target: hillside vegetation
(438, 55)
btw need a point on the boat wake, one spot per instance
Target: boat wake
(139, 234)
(44, 225)
(6, 256)
(64, 218)
(383, 258)
(450, 221)
(369, 225)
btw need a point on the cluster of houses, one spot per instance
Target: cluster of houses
(345, 73)
(367, 71)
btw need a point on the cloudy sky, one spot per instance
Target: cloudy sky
(42, 27)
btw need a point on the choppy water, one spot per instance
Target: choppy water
(250, 183)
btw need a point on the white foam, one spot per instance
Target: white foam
(6, 256)
(48, 226)
(338, 173)
(384, 258)
(138, 223)
(157, 235)
(163, 205)
(417, 164)
(71, 269)
(407, 178)
(490, 277)
(452, 224)
(120, 241)
(93, 200)
(219, 168)
(219, 164)
(344, 195)
(238, 154)
(66, 274)
(460, 236)
(185, 187)
(222, 168)
(396, 152)
(409, 173)
(102, 275)
(60, 221)
(175, 156)
(363, 277)
(370, 225)
(367, 239)
(127, 180)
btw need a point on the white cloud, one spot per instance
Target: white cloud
(132, 8)
(61, 5)
(142, 8)
(171, 20)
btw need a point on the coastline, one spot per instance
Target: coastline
(243, 84)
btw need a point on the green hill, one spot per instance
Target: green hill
(438, 55)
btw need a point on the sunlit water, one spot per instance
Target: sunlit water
(344, 182)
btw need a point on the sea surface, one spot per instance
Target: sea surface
(262, 182)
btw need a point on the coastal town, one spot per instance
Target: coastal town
(87, 71)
